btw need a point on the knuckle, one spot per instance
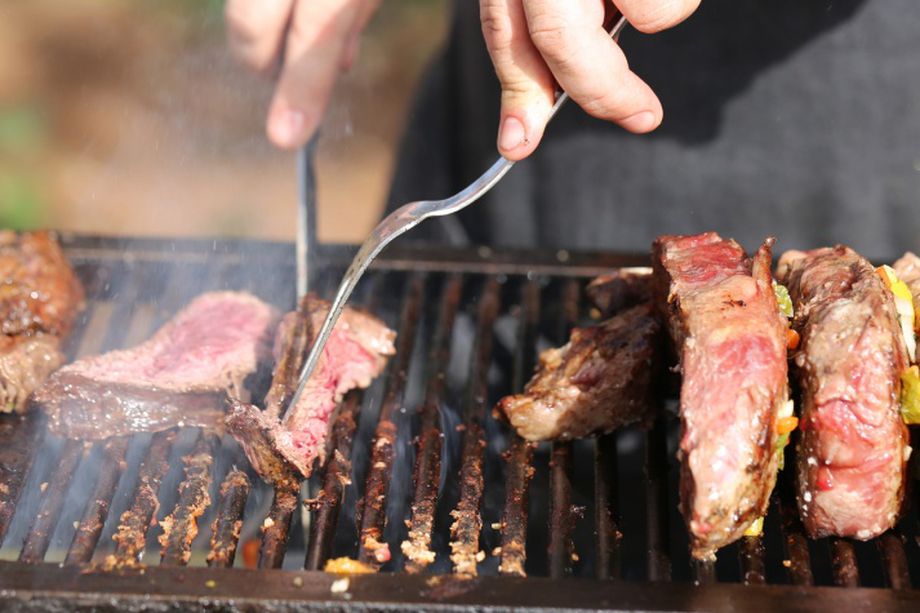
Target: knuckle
(496, 26)
(549, 35)
(661, 15)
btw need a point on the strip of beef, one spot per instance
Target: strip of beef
(598, 382)
(40, 297)
(731, 339)
(620, 289)
(185, 374)
(852, 453)
(908, 269)
(356, 353)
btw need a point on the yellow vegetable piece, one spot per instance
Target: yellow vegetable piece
(347, 566)
(904, 303)
(756, 528)
(894, 283)
(910, 395)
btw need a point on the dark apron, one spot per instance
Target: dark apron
(796, 118)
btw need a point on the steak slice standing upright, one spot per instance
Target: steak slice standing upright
(731, 339)
(185, 374)
(281, 444)
(852, 453)
(599, 381)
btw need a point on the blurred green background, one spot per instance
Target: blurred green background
(130, 117)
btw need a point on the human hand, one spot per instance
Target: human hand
(318, 39)
(535, 44)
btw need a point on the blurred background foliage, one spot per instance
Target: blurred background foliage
(128, 117)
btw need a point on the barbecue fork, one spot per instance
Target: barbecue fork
(404, 219)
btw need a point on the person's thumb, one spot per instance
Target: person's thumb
(528, 87)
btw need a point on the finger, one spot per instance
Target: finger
(527, 84)
(353, 46)
(255, 30)
(316, 40)
(656, 15)
(589, 65)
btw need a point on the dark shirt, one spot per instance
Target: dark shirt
(795, 118)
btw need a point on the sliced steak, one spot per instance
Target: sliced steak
(185, 374)
(596, 383)
(731, 339)
(620, 289)
(40, 297)
(356, 353)
(852, 453)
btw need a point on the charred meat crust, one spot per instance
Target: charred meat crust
(620, 289)
(730, 337)
(852, 452)
(598, 382)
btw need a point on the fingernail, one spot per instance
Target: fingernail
(512, 134)
(643, 121)
(287, 127)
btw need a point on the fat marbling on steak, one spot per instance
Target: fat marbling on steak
(852, 453)
(731, 339)
(185, 374)
(356, 353)
(40, 297)
(598, 382)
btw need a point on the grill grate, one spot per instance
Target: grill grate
(420, 477)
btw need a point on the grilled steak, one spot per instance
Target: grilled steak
(620, 289)
(355, 354)
(852, 453)
(908, 269)
(731, 339)
(596, 383)
(39, 299)
(185, 374)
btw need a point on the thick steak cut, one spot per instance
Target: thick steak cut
(357, 351)
(852, 453)
(185, 374)
(40, 297)
(596, 383)
(731, 339)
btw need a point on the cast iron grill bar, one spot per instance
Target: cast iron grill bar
(519, 471)
(181, 526)
(225, 529)
(562, 517)
(88, 531)
(328, 502)
(656, 496)
(19, 438)
(897, 571)
(843, 563)
(798, 568)
(427, 470)
(131, 536)
(54, 493)
(606, 503)
(277, 524)
(372, 512)
(467, 524)
(751, 552)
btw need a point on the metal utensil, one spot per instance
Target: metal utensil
(401, 221)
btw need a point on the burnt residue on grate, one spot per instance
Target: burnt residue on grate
(477, 499)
